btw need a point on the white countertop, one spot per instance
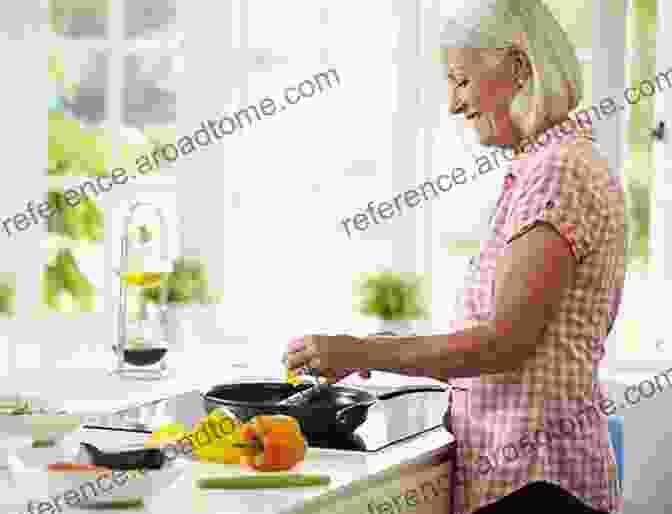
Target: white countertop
(356, 479)
(345, 468)
(91, 389)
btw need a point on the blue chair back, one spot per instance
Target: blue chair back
(616, 438)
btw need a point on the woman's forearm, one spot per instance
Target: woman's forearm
(472, 352)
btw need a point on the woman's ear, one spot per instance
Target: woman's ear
(522, 68)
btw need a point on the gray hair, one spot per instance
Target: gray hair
(556, 85)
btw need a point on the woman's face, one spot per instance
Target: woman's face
(482, 85)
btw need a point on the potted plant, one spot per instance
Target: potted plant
(394, 298)
(186, 293)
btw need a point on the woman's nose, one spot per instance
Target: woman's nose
(457, 108)
(455, 104)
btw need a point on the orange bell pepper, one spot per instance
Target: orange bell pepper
(277, 422)
(272, 443)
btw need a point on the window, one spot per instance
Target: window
(269, 218)
(289, 181)
(645, 341)
(113, 69)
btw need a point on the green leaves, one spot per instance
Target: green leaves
(84, 222)
(187, 284)
(77, 151)
(63, 283)
(74, 150)
(64, 287)
(390, 296)
(7, 299)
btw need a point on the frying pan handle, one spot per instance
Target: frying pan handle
(342, 415)
(412, 389)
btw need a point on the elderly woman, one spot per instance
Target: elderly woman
(544, 292)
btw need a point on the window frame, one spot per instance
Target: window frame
(117, 47)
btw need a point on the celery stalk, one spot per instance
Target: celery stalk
(261, 481)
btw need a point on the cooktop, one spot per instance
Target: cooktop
(388, 421)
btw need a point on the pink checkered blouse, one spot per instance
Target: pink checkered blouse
(515, 428)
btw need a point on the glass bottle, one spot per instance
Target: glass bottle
(141, 349)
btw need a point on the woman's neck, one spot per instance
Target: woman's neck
(521, 143)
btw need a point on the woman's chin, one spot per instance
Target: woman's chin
(488, 138)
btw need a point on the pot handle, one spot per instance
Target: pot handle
(413, 389)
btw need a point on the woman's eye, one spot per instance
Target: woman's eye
(463, 83)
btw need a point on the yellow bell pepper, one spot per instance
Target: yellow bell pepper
(220, 447)
(166, 435)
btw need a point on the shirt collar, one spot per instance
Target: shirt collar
(562, 132)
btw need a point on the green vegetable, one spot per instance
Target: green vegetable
(262, 481)
(120, 503)
(43, 444)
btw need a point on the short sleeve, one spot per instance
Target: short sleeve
(566, 194)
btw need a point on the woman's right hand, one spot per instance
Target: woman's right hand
(296, 344)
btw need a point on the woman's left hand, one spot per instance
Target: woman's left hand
(334, 356)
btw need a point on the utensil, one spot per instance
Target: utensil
(146, 458)
(263, 481)
(336, 409)
(306, 396)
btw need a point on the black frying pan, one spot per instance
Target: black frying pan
(335, 409)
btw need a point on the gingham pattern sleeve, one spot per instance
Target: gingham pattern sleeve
(566, 194)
